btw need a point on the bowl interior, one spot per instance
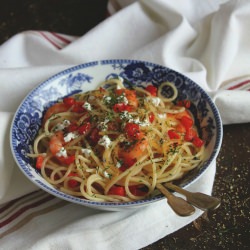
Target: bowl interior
(84, 77)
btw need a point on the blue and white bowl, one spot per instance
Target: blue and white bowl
(87, 76)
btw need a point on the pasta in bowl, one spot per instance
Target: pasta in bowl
(114, 130)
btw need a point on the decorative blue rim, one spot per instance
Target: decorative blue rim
(146, 71)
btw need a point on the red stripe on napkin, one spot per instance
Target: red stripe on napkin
(50, 40)
(13, 202)
(24, 209)
(32, 215)
(238, 85)
(62, 38)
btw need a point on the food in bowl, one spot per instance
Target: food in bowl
(28, 119)
(116, 143)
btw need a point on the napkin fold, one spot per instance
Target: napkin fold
(205, 40)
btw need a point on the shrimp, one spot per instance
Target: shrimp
(131, 153)
(56, 146)
(56, 108)
(130, 95)
(56, 142)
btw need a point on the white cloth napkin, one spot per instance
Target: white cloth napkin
(206, 40)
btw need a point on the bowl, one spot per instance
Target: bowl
(84, 77)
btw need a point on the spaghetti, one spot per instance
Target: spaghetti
(116, 144)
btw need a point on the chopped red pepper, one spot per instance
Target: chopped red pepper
(69, 101)
(187, 121)
(173, 135)
(198, 142)
(84, 128)
(66, 160)
(117, 190)
(73, 183)
(120, 107)
(152, 90)
(39, 162)
(120, 190)
(70, 159)
(78, 107)
(127, 163)
(132, 130)
(137, 190)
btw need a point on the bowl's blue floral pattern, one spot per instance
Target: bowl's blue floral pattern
(27, 119)
(74, 81)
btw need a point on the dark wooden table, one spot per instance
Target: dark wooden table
(226, 228)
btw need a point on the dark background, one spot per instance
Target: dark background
(228, 227)
(71, 17)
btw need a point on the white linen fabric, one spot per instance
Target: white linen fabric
(207, 41)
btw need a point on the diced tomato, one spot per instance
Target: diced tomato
(70, 159)
(78, 107)
(123, 168)
(72, 183)
(187, 103)
(39, 162)
(120, 107)
(128, 108)
(152, 90)
(151, 117)
(66, 160)
(69, 101)
(117, 190)
(198, 142)
(190, 134)
(132, 130)
(173, 134)
(187, 121)
(127, 163)
(72, 127)
(83, 129)
(137, 190)
(94, 136)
